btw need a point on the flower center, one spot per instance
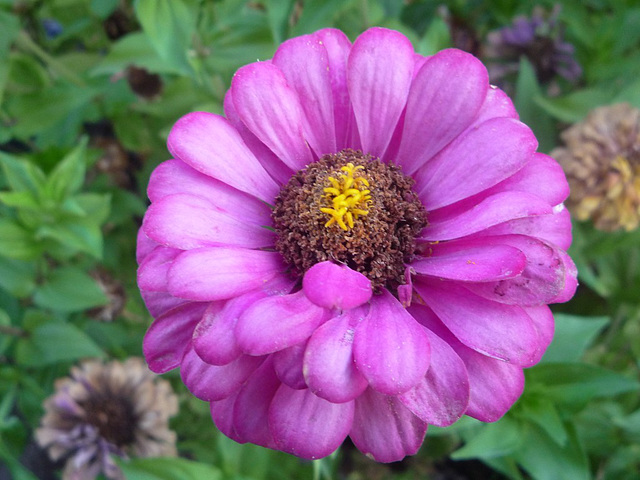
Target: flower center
(353, 209)
(114, 417)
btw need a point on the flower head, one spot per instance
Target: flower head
(104, 410)
(541, 40)
(366, 244)
(601, 157)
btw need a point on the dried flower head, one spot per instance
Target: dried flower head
(360, 248)
(602, 162)
(540, 39)
(120, 408)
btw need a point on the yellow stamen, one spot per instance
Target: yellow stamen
(347, 195)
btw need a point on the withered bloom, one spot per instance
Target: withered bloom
(102, 410)
(602, 162)
(540, 38)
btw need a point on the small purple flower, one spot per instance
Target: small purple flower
(52, 27)
(365, 245)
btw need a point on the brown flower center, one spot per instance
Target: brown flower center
(114, 417)
(353, 209)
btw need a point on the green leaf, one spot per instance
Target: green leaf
(436, 38)
(542, 412)
(170, 25)
(69, 289)
(575, 106)
(20, 200)
(527, 91)
(73, 237)
(278, 13)
(164, 468)
(8, 32)
(21, 175)
(574, 384)
(16, 242)
(95, 205)
(572, 337)
(493, 440)
(543, 459)
(55, 342)
(17, 276)
(68, 175)
(5, 341)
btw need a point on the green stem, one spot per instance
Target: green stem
(25, 42)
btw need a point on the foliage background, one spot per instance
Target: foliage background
(88, 92)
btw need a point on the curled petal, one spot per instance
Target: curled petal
(288, 366)
(308, 426)
(329, 367)
(384, 429)
(277, 322)
(329, 285)
(442, 396)
(390, 348)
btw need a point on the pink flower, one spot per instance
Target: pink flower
(310, 291)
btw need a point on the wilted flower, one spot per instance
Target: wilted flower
(104, 410)
(602, 162)
(541, 40)
(364, 245)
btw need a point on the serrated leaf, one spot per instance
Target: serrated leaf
(574, 384)
(572, 336)
(169, 24)
(492, 440)
(543, 459)
(55, 342)
(69, 289)
(164, 468)
(68, 175)
(16, 242)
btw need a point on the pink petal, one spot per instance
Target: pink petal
(269, 160)
(570, 280)
(384, 429)
(187, 221)
(545, 326)
(159, 303)
(305, 64)
(308, 426)
(491, 152)
(497, 104)
(251, 409)
(277, 322)
(500, 331)
(272, 111)
(329, 368)
(214, 382)
(495, 209)
(554, 228)
(442, 396)
(208, 143)
(444, 100)
(174, 176)
(495, 385)
(213, 339)
(154, 270)
(379, 75)
(390, 349)
(144, 246)
(218, 273)
(168, 336)
(541, 176)
(471, 263)
(335, 286)
(222, 416)
(540, 282)
(288, 366)
(337, 46)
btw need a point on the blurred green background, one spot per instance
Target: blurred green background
(88, 92)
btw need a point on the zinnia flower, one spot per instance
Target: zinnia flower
(104, 410)
(540, 38)
(601, 157)
(366, 244)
